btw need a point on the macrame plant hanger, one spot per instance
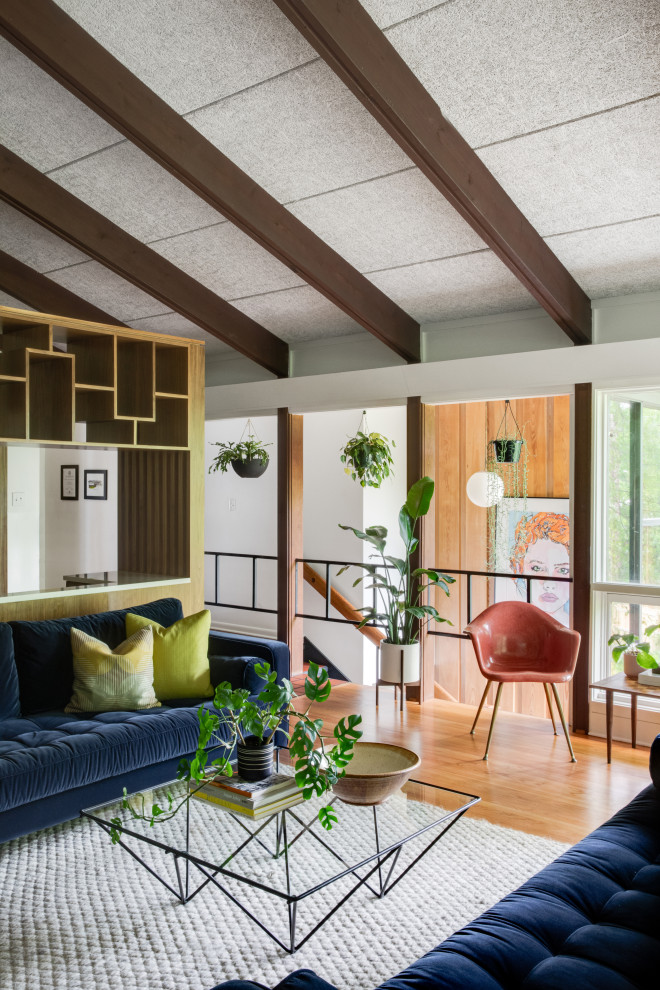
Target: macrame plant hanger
(506, 457)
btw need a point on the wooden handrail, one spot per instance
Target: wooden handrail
(341, 604)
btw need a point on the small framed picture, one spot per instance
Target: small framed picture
(69, 482)
(96, 484)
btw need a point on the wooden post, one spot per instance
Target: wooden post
(420, 462)
(290, 533)
(582, 523)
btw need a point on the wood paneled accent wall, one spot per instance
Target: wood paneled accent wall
(154, 512)
(462, 431)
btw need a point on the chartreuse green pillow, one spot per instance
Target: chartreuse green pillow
(181, 655)
(106, 680)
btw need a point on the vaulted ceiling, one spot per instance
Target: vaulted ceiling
(560, 100)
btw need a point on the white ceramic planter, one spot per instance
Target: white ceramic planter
(390, 662)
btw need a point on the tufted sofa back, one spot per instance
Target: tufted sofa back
(36, 663)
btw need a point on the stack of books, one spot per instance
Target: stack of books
(256, 799)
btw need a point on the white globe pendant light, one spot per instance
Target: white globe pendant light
(485, 488)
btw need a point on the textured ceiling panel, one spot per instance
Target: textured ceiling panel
(503, 67)
(298, 314)
(32, 244)
(7, 300)
(474, 285)
(227, 261)
(134, 192)
(396, 220)
(107, 291)
(386, 12)
(300, 134)
(179, 326)
(41, 121)
(595, 171)
(194, 53)
(615, 260)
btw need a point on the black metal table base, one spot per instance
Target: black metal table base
(381, 867)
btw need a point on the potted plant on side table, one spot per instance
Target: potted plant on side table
(400, 607)
(252, 724)
(635, 652)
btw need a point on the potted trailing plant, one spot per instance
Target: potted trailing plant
(252, 727)
(399, 599)
(635, 651)
(249, 458)
(367, 456)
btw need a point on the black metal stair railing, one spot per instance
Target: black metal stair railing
(255, 558)
(328, 564)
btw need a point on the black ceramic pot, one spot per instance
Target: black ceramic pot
(507, 451)
(255, 758)
(250, 469)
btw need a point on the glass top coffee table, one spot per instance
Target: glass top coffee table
(287, 859)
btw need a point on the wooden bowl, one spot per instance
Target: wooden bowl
(376, 771)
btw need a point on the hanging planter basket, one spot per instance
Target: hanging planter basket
(367, 456)
(507, 451)
(252, 468)
(248, 458)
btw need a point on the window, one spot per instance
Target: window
(627, 578)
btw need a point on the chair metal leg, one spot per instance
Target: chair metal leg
(481, 705)
(492, 721)
(552, 714)
(563, 722)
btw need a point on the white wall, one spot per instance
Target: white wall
(48, 537)
(24, 530)
(249, 527)
(79, 536)
(330, 497)
(382, 505)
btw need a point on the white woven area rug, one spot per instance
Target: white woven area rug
(79, 914)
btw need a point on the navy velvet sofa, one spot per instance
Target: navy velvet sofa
(588, 921)
(52, 763)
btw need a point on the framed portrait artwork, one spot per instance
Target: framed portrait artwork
(535, 542)
(96, 484)
(69, 482)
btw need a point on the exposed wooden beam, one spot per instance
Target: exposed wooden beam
(582, 549)
(52, 39)
(40, 292)
(44, 201)
(359, 53)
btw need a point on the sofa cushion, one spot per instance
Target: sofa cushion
(181, 655)
(106, 680)
(9, 703)
(44, 660)
(48, 754)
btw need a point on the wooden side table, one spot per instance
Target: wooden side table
(625, 685)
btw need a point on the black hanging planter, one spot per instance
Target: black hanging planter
(253, 468)
(255, 758)
(507, 451)
(507, 448)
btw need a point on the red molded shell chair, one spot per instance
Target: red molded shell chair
(515, 641)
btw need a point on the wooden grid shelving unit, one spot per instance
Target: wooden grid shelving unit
(128, 388)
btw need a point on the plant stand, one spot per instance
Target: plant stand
(397, 685)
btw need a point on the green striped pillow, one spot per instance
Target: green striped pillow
(119, 680)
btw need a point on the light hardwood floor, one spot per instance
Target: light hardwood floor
(528, 782)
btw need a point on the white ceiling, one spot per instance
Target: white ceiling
(560, 99)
